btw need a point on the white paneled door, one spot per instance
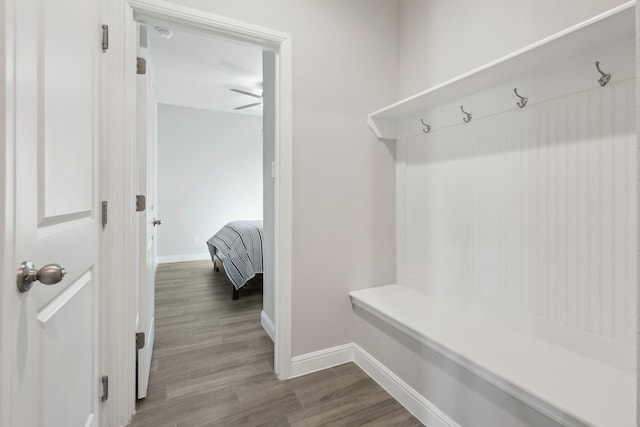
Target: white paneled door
(54, 362)
(147, 221)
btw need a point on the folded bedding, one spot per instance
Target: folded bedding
(238, 245)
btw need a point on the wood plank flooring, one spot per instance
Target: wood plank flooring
(213, 365)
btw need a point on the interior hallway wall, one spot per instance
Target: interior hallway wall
(344, 67)
(209, 173)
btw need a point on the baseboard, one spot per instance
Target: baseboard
(319, 360)
(165, 259)
(268, 326)
(421, 408)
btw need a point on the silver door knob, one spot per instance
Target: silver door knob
(50, 274)
(156, 222)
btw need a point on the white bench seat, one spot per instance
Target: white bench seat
(552, 379)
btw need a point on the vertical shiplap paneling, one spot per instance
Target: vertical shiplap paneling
(594, 208)
(619, 205)
(535, 284)
(511, 208)
(502, 223)
(533, 210)
(527, 217)
(583, 211)
(562, 223)
(607, 109)
(632, 212)
(552, 202)
(543, 211)
(573, 211)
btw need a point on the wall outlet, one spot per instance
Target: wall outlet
(196, 240)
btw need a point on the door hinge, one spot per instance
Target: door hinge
(105, 387)
(141, 65)
(105, 207)
(105, 38)
(140, 340)
(141, 203)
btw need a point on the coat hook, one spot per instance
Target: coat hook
(605, 77)
(428, 128)
(523, 101)
(468, 118)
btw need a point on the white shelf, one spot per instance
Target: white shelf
(609, 27)
(550, 378)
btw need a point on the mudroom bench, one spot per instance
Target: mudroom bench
(564, 385)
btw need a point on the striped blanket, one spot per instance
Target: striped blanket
(239, 246)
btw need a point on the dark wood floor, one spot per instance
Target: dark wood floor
(213, 365)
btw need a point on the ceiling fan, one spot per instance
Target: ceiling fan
(253, 104)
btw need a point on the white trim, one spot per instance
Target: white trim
(267, 325)
(158, 11)
(161, 11)
(7, 195)
(166, 259)
(118, 272)
(284, 210)
(319, 360)
(421, 408)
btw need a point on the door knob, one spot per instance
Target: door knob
(156, 222)
(50, 274)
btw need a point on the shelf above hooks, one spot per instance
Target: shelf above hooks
(610, 27)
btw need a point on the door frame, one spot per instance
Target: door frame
(155, 12)
(119, 179)
(7, 147)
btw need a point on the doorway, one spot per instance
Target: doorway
(118, 253)
(280, 45)
(206, 145)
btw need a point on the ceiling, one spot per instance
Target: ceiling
(198, 71)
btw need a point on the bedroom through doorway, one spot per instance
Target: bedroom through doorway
(211, 125)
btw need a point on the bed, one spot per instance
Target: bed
(238, 246)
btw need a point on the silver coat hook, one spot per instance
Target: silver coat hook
(605, 77)
(523, 101)
(468, 118)
(428, 128)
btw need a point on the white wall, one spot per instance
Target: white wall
(440, 39)
(209, 173)
(344, 66)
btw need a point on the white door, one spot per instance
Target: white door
(54, 362)
(147, 257)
